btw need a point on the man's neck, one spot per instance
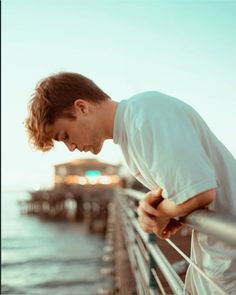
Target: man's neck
(108, 115)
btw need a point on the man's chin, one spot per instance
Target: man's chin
(95, 151)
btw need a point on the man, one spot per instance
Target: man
(168, 148)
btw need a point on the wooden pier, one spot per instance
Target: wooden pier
(87, 206)
(82, 190)
(94, 200)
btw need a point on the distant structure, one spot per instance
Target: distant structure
(82, 190)
(87, 173)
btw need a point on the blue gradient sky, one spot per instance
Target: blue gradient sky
(182, 48)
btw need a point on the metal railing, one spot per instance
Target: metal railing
(145, 255)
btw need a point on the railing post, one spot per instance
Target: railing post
(151, 263)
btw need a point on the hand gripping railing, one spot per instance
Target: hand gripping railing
(145, 255)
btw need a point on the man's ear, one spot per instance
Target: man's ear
(81, 106)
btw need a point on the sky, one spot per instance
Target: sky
(181, 48)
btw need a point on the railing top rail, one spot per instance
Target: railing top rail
(133, 194)
(219, 225)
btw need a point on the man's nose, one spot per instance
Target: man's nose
(71, 146)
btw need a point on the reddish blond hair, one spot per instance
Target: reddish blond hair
(53, 98)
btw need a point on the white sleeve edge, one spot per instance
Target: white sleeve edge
(192, 191)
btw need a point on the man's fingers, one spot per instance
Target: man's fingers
(148, 208)
(174, 224)
(144, 217)
(172, 228)
(139, 211)
(151, 200)
(146, 221)
(154, 197)
(145, 226)
(161, 235)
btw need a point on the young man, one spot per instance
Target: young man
(168, 148)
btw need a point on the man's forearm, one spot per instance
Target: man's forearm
(170, 209)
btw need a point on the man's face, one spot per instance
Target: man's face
(83, 133)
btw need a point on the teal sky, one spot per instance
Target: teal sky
(182, 48)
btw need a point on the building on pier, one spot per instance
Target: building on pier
(82, 189)
(87, 173)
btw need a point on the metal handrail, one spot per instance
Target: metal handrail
(219, 225)
(216, 224)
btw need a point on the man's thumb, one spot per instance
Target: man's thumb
(154, 197)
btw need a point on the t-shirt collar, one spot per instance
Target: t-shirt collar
(118, 128)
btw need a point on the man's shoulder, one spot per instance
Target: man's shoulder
(140, 106)
(144, 95)
(152, 97)
(153, 100)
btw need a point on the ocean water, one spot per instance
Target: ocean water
(40, 257)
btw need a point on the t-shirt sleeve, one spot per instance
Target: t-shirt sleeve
(172, 151)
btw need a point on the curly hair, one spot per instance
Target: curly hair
(53, 98)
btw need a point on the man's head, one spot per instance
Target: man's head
(67, 107)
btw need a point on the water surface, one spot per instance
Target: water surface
(42, 257)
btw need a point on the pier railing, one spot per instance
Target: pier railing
(146, 257)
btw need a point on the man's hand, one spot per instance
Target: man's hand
(157, 214)
(171, 229)
(149, 217)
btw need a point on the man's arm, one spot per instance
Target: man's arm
(169, 209)
(160, 218)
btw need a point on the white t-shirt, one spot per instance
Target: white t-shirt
(166, 143)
